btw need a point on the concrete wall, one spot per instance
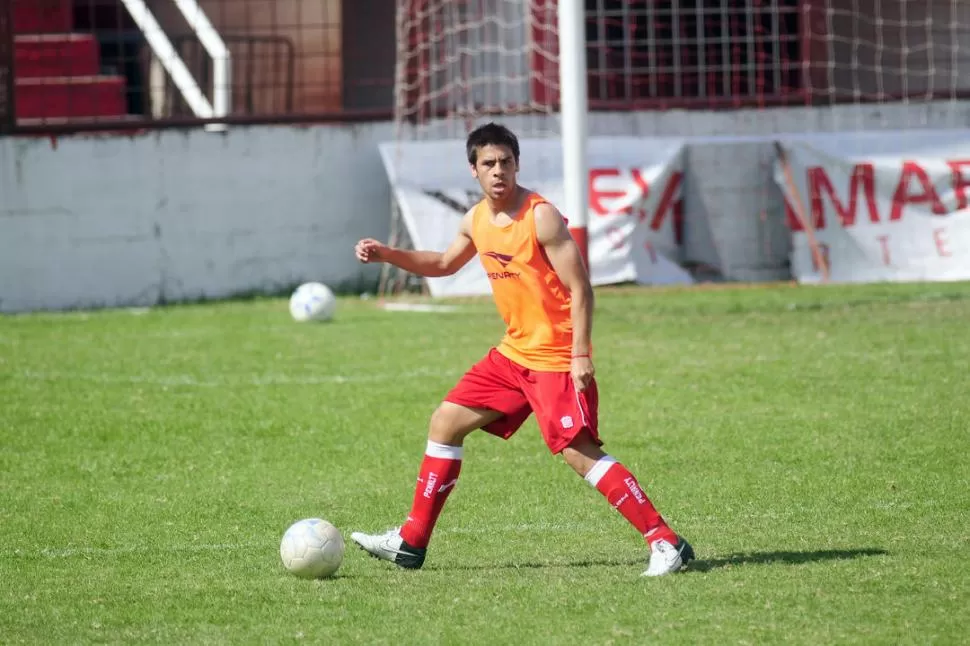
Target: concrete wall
(172, 216)
(91, 221)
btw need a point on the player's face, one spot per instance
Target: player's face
(495, 170)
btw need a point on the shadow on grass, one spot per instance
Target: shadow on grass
(699, 565)
(785, 558)
(532, 565)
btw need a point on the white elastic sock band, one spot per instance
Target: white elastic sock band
(436, 450)
(599, 469)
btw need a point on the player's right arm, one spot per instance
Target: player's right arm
(423, 263)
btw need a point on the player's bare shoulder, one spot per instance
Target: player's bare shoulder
(466, 225)
(550, 225)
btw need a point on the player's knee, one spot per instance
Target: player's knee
(446, 425)
(582, 453)
(577, 461)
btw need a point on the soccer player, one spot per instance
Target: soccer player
(543, 365)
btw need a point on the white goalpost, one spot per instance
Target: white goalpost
(574, 106)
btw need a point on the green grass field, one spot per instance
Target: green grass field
(810, 442)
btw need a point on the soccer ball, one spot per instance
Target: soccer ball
(312, 302)
(312, 548)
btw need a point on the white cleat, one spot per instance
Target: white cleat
(389, 546)
(666, 558)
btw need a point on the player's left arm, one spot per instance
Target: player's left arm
(566, 260)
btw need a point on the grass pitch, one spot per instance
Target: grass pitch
(810, 442)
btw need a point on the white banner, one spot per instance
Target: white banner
(885, 206)
(635, 215)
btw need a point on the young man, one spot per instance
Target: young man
(543, 365)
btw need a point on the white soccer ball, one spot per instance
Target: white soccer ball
(312, 302)
(312, 548)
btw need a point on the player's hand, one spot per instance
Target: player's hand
(370, 250)
(582, 372)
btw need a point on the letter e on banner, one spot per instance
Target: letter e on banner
(940, 240)
(598, 193)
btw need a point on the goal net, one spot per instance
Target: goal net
(689, 69)
(460, 61)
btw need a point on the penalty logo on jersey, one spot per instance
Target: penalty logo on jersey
(501, 258)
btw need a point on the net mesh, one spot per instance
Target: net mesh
(460, 61)
(887, 51)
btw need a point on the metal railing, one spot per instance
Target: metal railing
(264, 72)
(166, 56)
(191, 63)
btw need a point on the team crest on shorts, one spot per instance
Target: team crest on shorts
(566, 421)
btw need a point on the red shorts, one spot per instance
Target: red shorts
(499, 384)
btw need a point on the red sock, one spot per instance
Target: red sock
(438, 476)
(623, 491)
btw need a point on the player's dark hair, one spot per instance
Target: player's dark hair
(491, 134)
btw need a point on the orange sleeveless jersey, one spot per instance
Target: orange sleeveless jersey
(531, 299)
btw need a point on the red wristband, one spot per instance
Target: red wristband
(581, 356)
